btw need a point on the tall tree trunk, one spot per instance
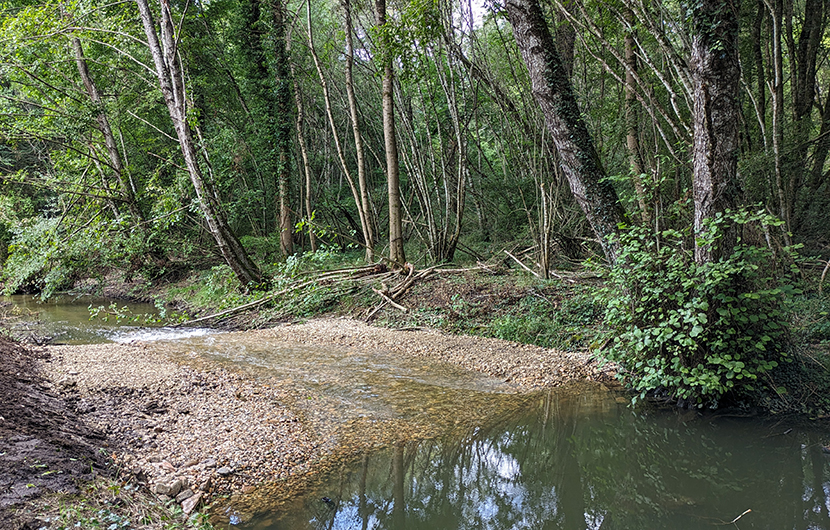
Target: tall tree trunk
(553, 92)
(171, 82)
(104, 126)
(632, 119)
(776, 9)
(300, 127)
(716, 77)
(283, 117)
(804, 99)
(364, 230)
(362, 184)
(396, 250)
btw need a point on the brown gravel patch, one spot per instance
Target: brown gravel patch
(193, 431)
(531, 367)
(183, 432)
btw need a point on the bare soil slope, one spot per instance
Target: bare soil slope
(43, 445)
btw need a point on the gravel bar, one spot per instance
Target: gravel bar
(193, 432)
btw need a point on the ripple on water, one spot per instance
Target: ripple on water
(124, 335)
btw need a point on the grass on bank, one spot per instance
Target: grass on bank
(110, 504)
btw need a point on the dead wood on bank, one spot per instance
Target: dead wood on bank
(369, 276)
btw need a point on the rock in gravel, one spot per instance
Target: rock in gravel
(190, 503)
(224, 471)
(184, 495)
(169, 488)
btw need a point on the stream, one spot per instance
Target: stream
(571, 458)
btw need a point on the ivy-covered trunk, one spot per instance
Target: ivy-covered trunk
(716, 76)
(553, 92)
(283, 118)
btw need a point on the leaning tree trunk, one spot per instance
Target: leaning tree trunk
(553, 92)
(171, 82)
(716, 77)
(104, 126)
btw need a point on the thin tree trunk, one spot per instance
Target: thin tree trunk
(777, 92)
(171, 82)
(396, 249)
(553, 92)
(632, 132)
(300, 127)
(335, 136)
(716, 77)
(366, 207)
(104, 126)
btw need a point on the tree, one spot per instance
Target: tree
(715, 74)
(171, 81)
(554, 93)
(396, 250)
(268, 87)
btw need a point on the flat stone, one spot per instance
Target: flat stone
(224, 471)
(184, 495)
(210, 462)
(191, 502)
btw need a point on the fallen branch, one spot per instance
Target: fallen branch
(367, 273)
(390, 301)
(525, 267)
(249, 305)
(735, 520)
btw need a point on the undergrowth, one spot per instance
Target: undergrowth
(109, 504)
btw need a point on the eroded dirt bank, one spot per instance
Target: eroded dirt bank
(190, 431)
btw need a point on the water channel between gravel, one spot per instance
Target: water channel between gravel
(491, 459)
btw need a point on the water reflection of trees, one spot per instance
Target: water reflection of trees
(580, 461)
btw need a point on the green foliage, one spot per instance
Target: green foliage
(48, 254)
(573, 325)
(217, 288)
(697, 331)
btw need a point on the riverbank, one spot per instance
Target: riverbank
(192, 431)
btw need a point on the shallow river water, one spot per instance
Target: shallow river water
(566, 459)
(574, 460)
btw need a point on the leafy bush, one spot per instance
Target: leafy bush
(46, 255)
(696, 331)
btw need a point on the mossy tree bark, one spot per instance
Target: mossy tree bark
(554, 93)
(716, 76)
